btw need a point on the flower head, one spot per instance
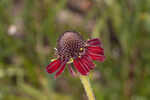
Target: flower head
(71, 48)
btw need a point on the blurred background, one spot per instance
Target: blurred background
(28, 33)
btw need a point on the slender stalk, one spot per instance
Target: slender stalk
(87, 87)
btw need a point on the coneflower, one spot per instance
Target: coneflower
(71, 48)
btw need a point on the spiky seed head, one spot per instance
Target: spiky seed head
(70, 45)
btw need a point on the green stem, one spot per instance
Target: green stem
(87, 87)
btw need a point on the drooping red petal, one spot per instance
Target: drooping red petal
(88, 62)
(97, 57)
(94, 42)
(78, 66)
(84, 65)
(53, 66)
(96, 50)
(62, 67)
(71, 70)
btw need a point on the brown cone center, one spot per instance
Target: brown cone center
(69, 45)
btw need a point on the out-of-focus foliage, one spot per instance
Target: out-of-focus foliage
(28, 33)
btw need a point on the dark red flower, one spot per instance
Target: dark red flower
(71, 48)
